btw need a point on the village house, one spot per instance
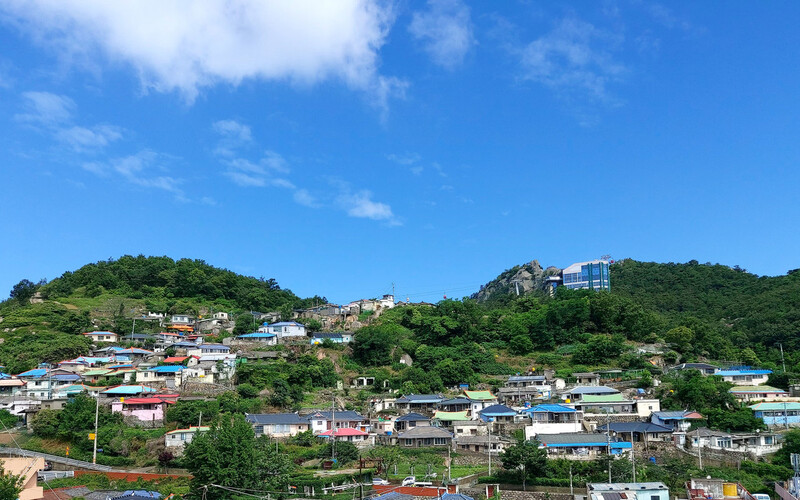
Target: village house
(284, 329)
(420, 403)
(577, 393)
(679, 420)
(479, 400)
(257, 338)
(336, 338)
(500, 414)
(41, 383)
(753, 393)
(448, 418)
(27, 469)
(322, 421)
(176, 440)
(358, 437)
(127, 391)
(628, 491)
(553, 419)
(525, 388)
(411, 420)
(11, 386)
(615, 404)
(278, 425)
(587, 379)
(200, 349)
(744, 375)
(755, 444)
(481, 444)
(637, 432)
(703, 368)
(785, 414)
(102, 336)
(455, 405)
(425, 437)
(169, 376)
(147, 410)
(581, 446)
(470, 428)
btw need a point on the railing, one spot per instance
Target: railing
(55, 458)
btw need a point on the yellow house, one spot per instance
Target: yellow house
(28, 468)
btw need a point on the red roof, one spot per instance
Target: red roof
(175, 359)
(417, 491)
(345, 431)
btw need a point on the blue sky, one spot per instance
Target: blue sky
(343, 147)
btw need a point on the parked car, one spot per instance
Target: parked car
(409, 481)
(377, 481)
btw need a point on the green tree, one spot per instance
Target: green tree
(23, 291)
(10, 486)
(346, 452)
(229, 455)
(45, 424)
(791, 444)
(525, 457)
(373, 345)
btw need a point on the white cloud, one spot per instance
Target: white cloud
(574, 57)
(404, 159)
(83, 139)
(303, 197)
(46, 108)
(143, 169)
(234, 130)
(248, 174)
(361, 205)
(445, 29)
(188, 46)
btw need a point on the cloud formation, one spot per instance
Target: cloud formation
(445, 30)
(144, 169)
(573, 57)
(54, 114)
(361, 205)
(188, 46)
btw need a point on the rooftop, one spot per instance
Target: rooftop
(479, 395)
(276, 418)
(425, 432)
(600, 389)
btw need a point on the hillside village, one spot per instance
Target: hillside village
(176, 379)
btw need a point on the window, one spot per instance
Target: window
(259, 429)
(440, 441)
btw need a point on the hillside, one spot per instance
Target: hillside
(106, 296)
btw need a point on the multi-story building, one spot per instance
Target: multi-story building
(592, 274)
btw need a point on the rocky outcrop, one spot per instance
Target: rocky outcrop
(525, 278)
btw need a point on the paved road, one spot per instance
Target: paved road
(78, 464)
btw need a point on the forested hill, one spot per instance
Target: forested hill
(162, 279)
(766, 308)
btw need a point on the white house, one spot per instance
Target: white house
(553, 419)
(177, 439)
(759, 443)
(744, 376)
(285, 329)
(220, 315)
(102, 336)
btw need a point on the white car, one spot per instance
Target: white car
(376, 481)
(409, 481)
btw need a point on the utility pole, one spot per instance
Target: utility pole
(96, 415)
(633, 457)
(699, 449)
(489, 426)
(608, 443)
(333, 428)
(200, 419)
(782, 361)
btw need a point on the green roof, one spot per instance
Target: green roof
(101, 371)
(450, 416)
(754, 388)
(479, 395)
(789, 405)
(602, 398)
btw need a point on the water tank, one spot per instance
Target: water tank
(729, 490)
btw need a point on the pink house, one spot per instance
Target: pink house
(151, 410)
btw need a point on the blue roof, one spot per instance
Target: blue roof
(498, 410)
(257, 335)
(412, 417)
(287, 323)
(733, 373)
(419, 398)
(455, 496)
(36, 372)
(552, 408)
(184, 343)
(126, 390)
(167, 369)
(214, 347)
(66, 376)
